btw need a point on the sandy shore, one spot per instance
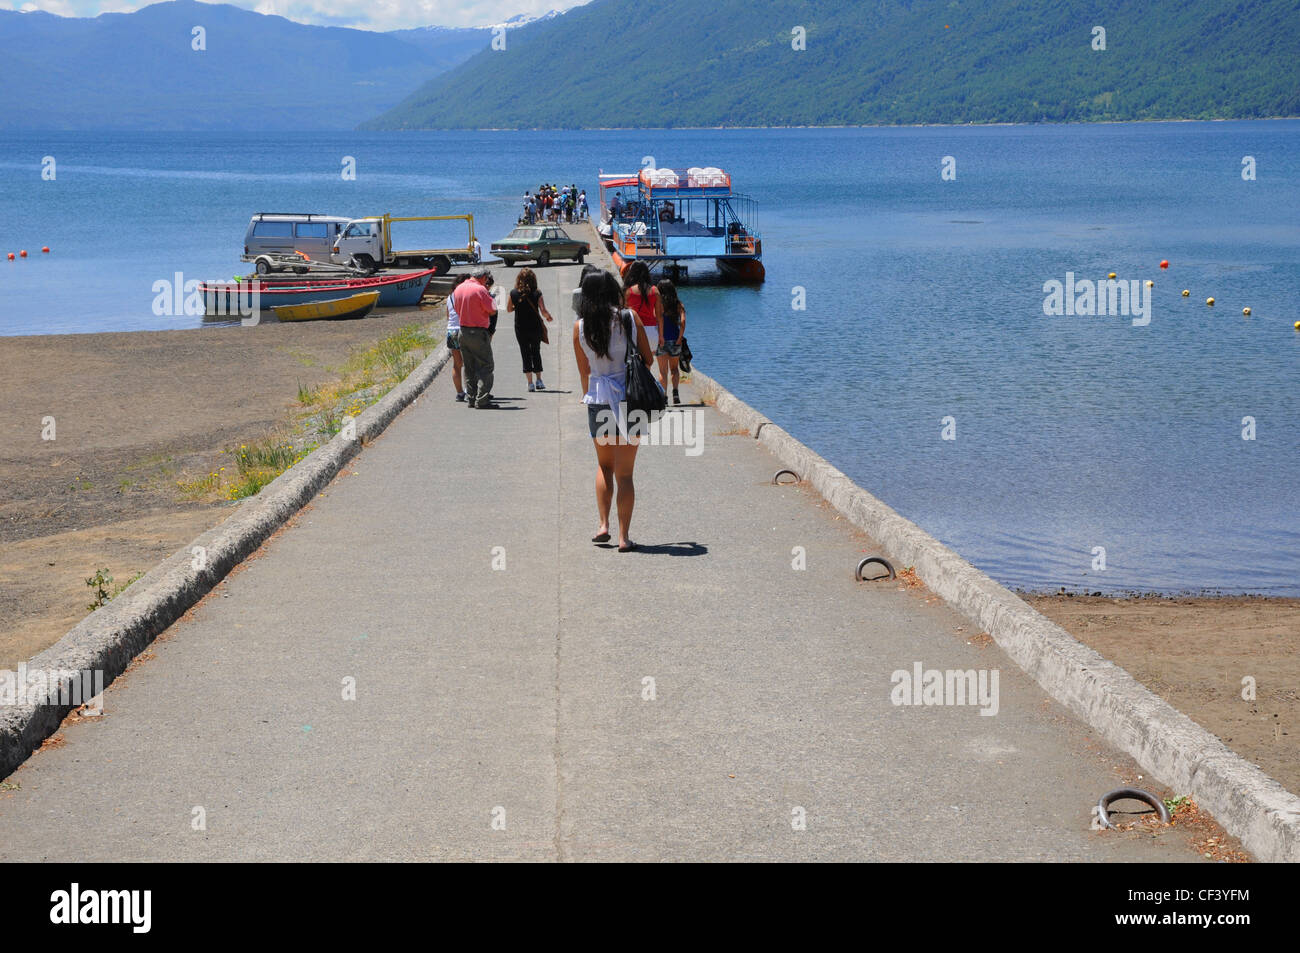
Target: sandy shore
(1194, 653)
(134, 413)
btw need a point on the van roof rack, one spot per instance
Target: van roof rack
(306, 215)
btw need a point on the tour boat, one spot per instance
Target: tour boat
(669, 217)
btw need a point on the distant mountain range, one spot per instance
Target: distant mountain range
(629, 63)
(139, 70)
(633, 63)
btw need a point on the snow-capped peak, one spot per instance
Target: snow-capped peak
(523, 19)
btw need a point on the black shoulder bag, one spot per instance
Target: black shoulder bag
(643, 392)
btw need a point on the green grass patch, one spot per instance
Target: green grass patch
(203, 486)
(103, 590)
(257, 464)
(307, 395)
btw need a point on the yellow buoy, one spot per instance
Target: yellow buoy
(1210, 302)
(1151, 284)
(1111, 275)
(1245, 311)
(1186, 292)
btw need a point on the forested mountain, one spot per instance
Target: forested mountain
(628, 63)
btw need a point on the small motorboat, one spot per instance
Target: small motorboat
(401, 289)
(339, 309)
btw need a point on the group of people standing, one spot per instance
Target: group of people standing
(472, 322)
(553, 204)
(616, 322)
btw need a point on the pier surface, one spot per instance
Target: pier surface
(501, 663)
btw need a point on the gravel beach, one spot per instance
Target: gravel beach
(135, 413)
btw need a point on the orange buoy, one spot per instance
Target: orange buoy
(1165, 263)
(11, 256)
(45, 249)
(23, 253)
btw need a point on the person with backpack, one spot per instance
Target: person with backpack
(673, 327)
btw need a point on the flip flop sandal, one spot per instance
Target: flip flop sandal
(630, 547)
(600, 538)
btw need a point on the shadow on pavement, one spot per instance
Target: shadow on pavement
(671, 549)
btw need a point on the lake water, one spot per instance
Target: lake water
(924, 300)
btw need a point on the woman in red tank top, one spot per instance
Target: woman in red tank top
(643, 298)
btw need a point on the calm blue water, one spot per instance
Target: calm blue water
(924, 300)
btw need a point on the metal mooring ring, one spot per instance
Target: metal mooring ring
(875, 559)
(776, 480)
(1136, 794)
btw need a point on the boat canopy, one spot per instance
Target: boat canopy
(666, 183)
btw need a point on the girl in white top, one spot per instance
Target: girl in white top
(600, 346)
(453, 341)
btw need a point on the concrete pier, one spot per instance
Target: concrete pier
(433, 662)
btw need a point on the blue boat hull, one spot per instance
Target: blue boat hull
(395, 291)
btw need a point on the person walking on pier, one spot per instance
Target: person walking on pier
(529, 307)
(453, 338)
(643, 298)
(600, 345)
(478, 322)
(673, 326)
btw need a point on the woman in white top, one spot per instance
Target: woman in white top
(600, 345)
(453, 340)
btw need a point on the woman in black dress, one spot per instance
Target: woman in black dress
(528, 307)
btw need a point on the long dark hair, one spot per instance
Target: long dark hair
(526, 283)
(638, 275)
(668, 294)
(601, 299)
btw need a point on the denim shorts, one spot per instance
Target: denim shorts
(603, 422)
(453, 340)
(670, 348)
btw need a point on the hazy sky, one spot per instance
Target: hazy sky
(366, 14)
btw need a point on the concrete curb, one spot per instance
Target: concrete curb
(108, 639)
(1176, 750)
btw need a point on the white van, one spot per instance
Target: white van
(287, 233)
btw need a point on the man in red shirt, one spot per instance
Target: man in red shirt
(478, 322)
